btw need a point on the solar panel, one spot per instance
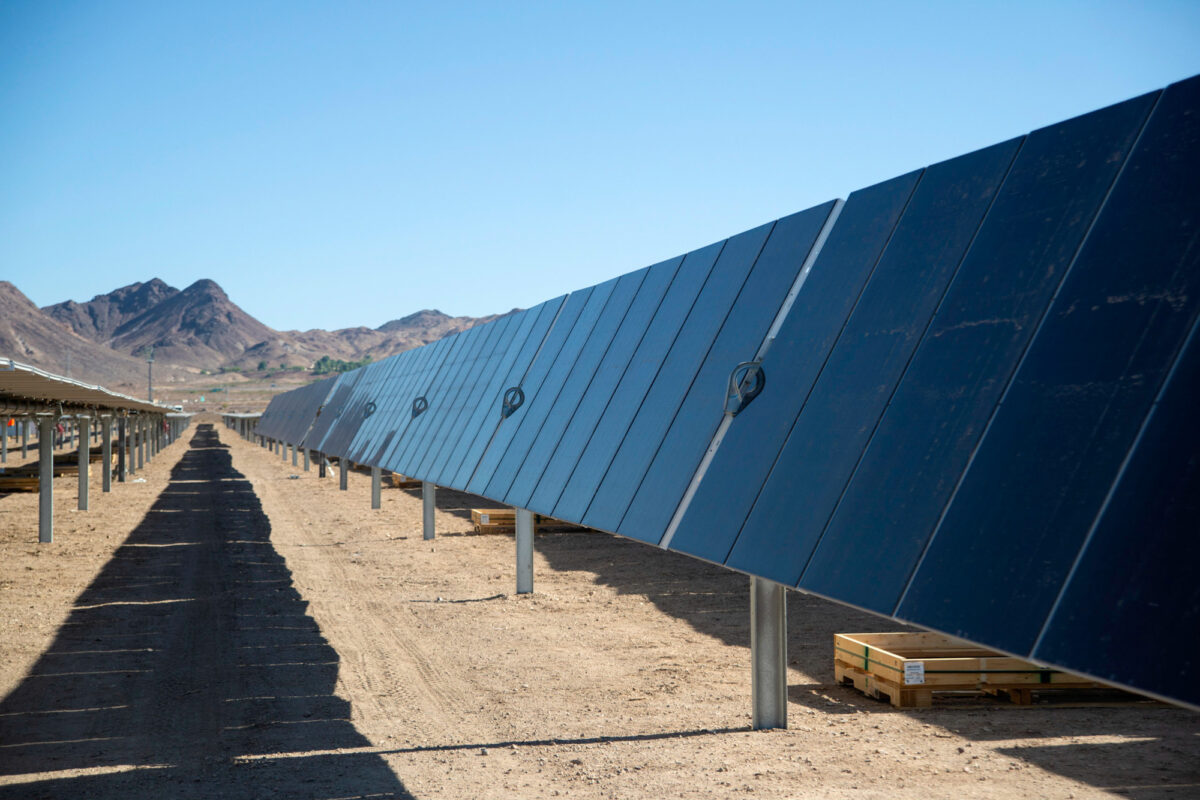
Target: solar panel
(854, 384)
(582, 420)
(589, 470)
(1132, 602)
(739, 339)
(530, 384)
(511, 368)
(965, 359)
(1034, 485)
(525, 424)
(573, 387)
(741, 464)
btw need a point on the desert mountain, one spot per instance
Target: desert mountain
(197, 327)
(201, 328)
(30, 336)
(99, 318)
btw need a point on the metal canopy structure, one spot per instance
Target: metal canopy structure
(963, 398)
(143, 429)
(29, 390)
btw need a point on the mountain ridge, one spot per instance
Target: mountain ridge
(200, 328)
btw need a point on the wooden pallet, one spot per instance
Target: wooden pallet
(909, 668)
(504, 520)
(19, 483)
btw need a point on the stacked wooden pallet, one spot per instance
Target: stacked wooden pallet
(909, 668)
(25, 478)
(504, 520)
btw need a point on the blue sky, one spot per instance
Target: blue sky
(339, 164)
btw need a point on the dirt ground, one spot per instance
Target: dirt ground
(236, 627)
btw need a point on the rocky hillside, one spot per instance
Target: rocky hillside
(32, 337)
(201, 328)
(99, 318)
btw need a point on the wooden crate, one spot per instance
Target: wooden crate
(908, 668)
(504, 520)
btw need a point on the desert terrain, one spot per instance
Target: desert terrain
(226, 624)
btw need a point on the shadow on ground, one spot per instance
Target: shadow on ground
(1164, 762)
(189, 667)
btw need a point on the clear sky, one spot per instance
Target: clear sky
(338, 164)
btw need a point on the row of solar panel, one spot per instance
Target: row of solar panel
(977, 415)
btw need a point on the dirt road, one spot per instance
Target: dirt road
(229, 630)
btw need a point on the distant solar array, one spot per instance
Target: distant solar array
(964, 398)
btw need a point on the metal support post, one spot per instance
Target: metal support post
(283, 451)
(106, 453)
(768, 653)
(343, 474)
(295, 456)
(428, 506)
(524, 551)
(24, 438)
(4, 441)
(376, 483)
(85, 460)
(46, 478)
(141, 443)
(122, 448)
(322, 462)
(305, 451)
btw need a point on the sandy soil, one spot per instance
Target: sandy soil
(237, 627)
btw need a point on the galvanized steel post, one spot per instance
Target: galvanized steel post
(768, 653)
(376, 483)
(305, 451)
(141, 443)
(343, 473)
(106, 452)
(4, 441)
(524, 551)
(428, 506)
(46, 478)
(322, 462)
(85, 459)
(122, 448)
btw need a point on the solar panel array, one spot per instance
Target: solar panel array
(977, 408)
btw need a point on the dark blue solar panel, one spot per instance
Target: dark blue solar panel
(581, 422)
(756, 435)
(574, 387)
(530, 417)
(1130, 612)
(631, 390)
(660, 490)
(941, 406)
(402, 387)
(535, 325)
(675, 375)
(439, 394)
(380, 423)
(531, 384)
(1018, 517)
(443, 425)
(335, 404)
(471, 400)
(855, 383)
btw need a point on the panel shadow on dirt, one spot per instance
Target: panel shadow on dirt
(189, 667)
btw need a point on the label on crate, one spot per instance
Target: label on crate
(484, 519)
(914, 672)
